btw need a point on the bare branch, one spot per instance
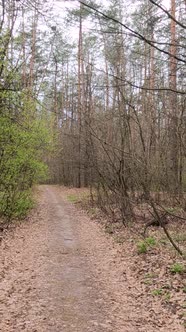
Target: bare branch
(168, 14)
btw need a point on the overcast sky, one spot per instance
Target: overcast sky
(60, 5)
(74, 3)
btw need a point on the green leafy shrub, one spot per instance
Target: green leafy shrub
(150, 241)
(157, 292)
(143, 246)
(24, 139)
(177, 268)
(23, 204)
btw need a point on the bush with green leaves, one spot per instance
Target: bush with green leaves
(24, 138)
(177, 268)
(143, 246)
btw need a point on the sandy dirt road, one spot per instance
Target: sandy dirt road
(61, 273)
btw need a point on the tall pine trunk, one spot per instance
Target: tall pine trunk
(173, 125)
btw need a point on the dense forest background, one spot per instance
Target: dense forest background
(94, 96)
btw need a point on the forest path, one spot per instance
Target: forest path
(60, 272)
(48, 282)
(51, 288)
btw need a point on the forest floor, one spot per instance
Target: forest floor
(61, 271)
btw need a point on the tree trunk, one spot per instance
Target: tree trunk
(173, 127)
